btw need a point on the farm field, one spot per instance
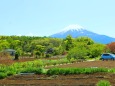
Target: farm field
(63, 80)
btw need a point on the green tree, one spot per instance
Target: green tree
(4, 44)
(96, 50)
(86, 40)
(40, 49)
(79, 52)
(68, 43)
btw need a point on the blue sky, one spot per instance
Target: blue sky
(45, 17)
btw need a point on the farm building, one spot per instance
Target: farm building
(10, 51)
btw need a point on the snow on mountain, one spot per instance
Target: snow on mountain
(77, 31)
(73, 28)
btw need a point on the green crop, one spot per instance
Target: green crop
(103, 83)
(65, 71)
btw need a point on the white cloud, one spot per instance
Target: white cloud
(28, 34)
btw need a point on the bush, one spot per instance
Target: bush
(103, 83)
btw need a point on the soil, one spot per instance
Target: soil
(57, 80)
(102, 64)
(64, 80)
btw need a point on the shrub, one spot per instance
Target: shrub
(103, 83)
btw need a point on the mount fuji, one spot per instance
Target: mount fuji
(78, 31)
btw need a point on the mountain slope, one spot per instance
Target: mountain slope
(79, 31)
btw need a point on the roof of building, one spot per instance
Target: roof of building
(10, 50)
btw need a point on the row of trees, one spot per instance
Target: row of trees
(81, 47)
(31, 46)
(85, 47)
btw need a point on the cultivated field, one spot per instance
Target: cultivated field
(63, 80)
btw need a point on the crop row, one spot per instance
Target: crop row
(37, 67)
(30, 66)
(11, 70)
(66, 71)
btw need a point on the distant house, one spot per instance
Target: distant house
(10, 51)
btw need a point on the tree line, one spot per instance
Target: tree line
(38, 47)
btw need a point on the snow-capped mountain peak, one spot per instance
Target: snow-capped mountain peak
(73, 27)
(78, 31)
